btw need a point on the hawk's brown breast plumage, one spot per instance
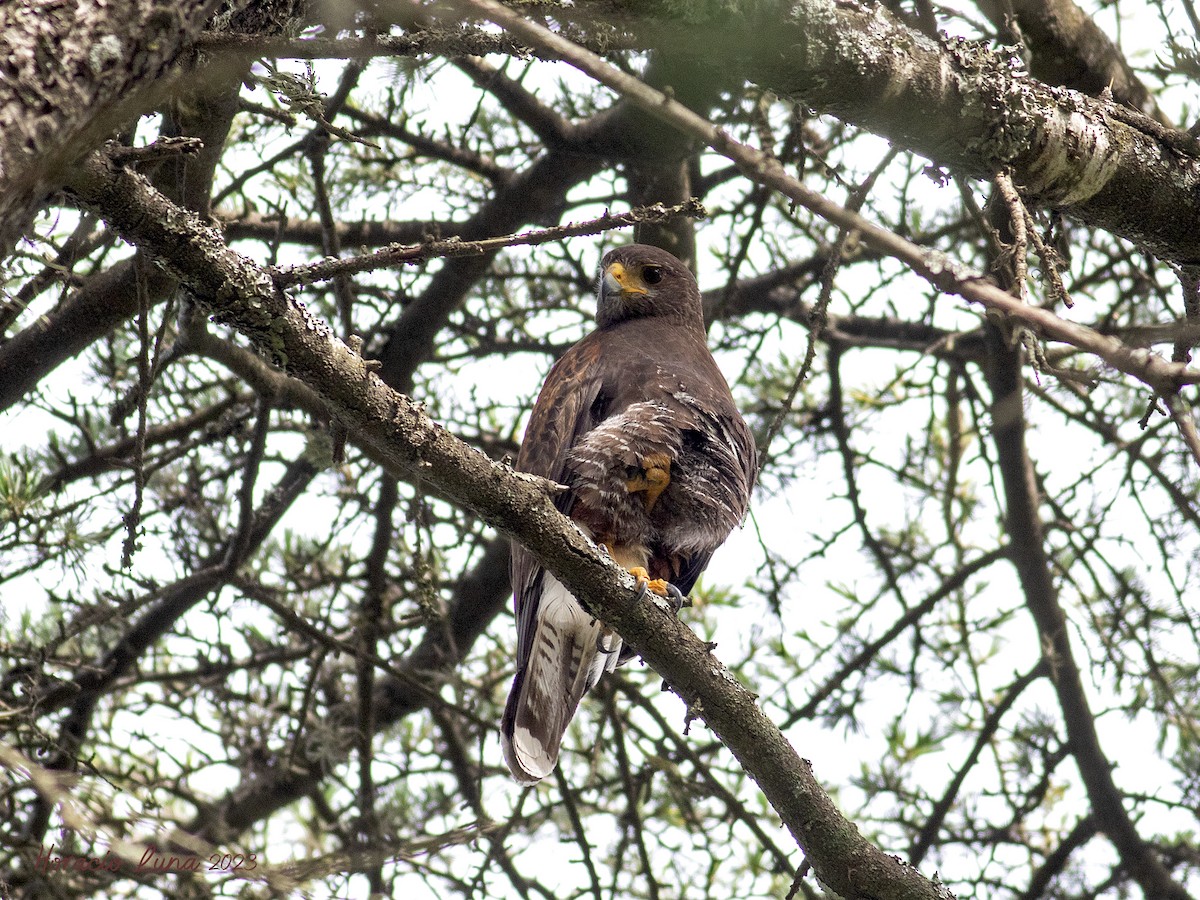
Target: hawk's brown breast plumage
(639, 424)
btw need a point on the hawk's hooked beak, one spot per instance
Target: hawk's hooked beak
(619, 280)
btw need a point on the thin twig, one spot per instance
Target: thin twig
(133, 518)
(1185, 421)
(400, 254)
(819, 317)
(1018, 252)
(1050, 262)
(1189, 281)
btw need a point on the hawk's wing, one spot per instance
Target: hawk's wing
(571, 402)
(559, 645)
(723, 474)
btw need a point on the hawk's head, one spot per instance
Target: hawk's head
(638, 281)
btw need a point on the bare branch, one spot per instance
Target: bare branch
(454, 247)
(398, 434)
(436, 41)
(946, 274)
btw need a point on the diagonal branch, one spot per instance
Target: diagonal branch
(400, 254)
(396, 432)
(991, 724)
(946, 274)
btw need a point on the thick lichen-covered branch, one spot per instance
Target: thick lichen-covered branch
(68, 74)
(962, 104)
(397, 433)
(943, 272)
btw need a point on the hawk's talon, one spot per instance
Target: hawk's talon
(654, 585)
(660, 588)
(677, 598)
(655, 478)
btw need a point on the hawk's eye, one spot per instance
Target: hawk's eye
(652, 274)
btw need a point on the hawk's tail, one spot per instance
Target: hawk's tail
(565, 660)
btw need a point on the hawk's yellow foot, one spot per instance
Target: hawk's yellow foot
(655, 476)
(646, 583)
(660, 587)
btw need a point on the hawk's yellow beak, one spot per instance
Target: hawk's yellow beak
(619, 280)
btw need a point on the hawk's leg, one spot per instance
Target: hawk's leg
(660, 587)
(653, 478)
(634, 559)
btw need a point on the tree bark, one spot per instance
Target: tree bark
(965, 106)
(395, 432)
(1067, 47)
(69, 73)
(973, 109)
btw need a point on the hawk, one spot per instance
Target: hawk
(638, 423)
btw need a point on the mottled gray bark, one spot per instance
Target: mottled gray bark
(70, 73)
(974, 110)
(1067, 47)
(394, 431)
(967, 107)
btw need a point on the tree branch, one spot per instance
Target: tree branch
(396, 433)
(944, 273)
(365, 233)
(68, 83)
(455, 247)
(435, 41)
(958, 103)
(1067, 47)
